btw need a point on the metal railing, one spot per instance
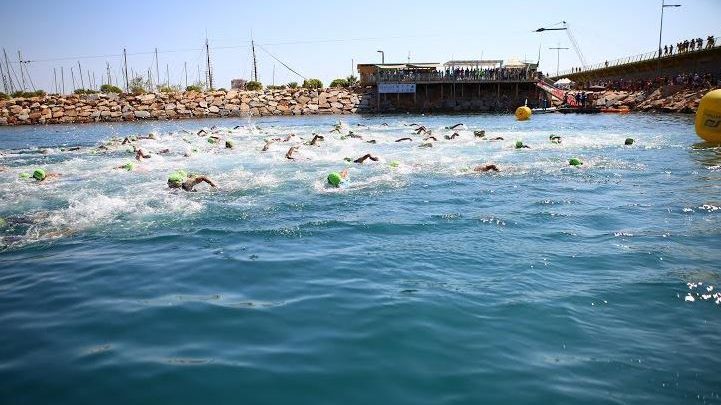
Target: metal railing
(639, 58)
(510, 75)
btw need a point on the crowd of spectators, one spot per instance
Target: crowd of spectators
(459, 74)
(691, 80)
(689, 45)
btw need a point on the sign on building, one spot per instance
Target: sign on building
(396, 88)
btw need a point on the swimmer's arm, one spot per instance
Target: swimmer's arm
(404, 139)
(206, 180)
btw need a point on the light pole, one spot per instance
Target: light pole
(383, 57)
(660, 31)
(558, 57)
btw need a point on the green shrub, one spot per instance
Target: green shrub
(223, 89)
(293, 85)
(109, 88)
(193, 88)
(85, 91)
(253, 86)
(352, 80)
(137, 90)
(28, 94)
(166, 89)
(280, 87)
(312, 84)
(4, 96)
(339, 83)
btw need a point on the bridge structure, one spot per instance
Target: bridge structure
(650, 65)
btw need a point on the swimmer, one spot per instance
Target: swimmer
(180, 179)
(289, 137)
(364, 157)
(486, 168)
(451, 137)
(336, 178)
(426, 145)
(371, 141)
(267, 145)
(40, 175)
(498, 138)
(202, 132)
(479, 134)
(213, 139)
(229, 144)
(316, 138)
(454, 126)
(70, 149)
(520, 145)
(163, 151)
(236, 127)
(555, 139)
(291, 151)
(432, 137)
(140, 155)
(127, 166)
(404, 139)
(126, 141)
(385, 124)
(420, 129)
(352, 135)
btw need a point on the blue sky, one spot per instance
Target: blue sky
(322, 38)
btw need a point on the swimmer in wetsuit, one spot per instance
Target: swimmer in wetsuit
(181, 179)
(486, 168)
(336, 178)
(364, 157)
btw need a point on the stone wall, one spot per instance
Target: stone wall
(670, 99)
(55, 109)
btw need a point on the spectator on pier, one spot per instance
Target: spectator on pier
(665, 52)
(710, 42)
(693, 44)
(699, 43)
(670, 49)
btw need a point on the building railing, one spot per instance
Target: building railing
(464, 76)
(640, 58)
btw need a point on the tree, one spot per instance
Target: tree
(312, 84)
(253, 86)
(109, 88)
(138, 85)
(293, 85)
(352, 80)
(339, 83)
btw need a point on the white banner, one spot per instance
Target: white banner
(396, 88)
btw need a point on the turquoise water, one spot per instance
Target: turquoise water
(421, 284)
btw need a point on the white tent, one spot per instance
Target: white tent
(564, 83)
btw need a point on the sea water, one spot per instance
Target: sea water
(419, 281)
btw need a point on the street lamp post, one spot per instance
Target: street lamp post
(558, 57)
(660, 31)
(383, 57)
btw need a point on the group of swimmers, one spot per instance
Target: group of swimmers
(181, 179)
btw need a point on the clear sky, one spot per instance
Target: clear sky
(322, 38)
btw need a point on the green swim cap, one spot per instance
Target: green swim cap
(39, 174)
(347, 159)
(394, 163)
(177, 178)
(129, 166)
(335, 179)
(575, 162)
(519, 144)
(629, 141)
(25, 175)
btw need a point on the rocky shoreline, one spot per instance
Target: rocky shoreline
(666, 99)
(54, 109)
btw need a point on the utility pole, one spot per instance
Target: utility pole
(199, 81)
(352, 66)
(95, 83)
(62, 77)
(660, 31)
(157, 70)
(22, 72)
(558, 57)
(255, 63)
(125, 58)
(210, 72)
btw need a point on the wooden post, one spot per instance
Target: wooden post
(461, 90)
(442, 91)
(498, 93)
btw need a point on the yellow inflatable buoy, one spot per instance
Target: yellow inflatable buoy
(708, 117)
(523, 113)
